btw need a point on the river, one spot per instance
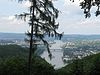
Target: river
(57, 54)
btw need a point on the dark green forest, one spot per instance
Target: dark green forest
(16, 60)
(13, 61)
(89, 65)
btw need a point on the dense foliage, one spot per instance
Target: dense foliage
(87, 5)
(15, 50)
(12, 50)
(19, 66)
(13, 61)
(87, 66)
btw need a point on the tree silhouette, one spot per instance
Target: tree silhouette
(86, 5)
(42, 22)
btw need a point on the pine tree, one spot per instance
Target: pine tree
(42, 22)
(88, 4)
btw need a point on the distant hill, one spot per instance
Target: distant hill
(76, 37)
(12, 36)
(12, 50)
(71, 37)
(16, 50)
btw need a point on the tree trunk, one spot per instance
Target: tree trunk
(31, 42)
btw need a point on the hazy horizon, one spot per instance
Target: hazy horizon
(64, 33)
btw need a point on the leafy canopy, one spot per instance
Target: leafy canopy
(42, 17)
(86, 5)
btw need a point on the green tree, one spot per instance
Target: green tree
(18, 66)
(86, 5)
(42, 22)
(95, 70)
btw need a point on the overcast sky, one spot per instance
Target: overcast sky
(71, 18)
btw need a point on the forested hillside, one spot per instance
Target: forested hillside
(14, 61)
(12, 50)
(89, 65)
